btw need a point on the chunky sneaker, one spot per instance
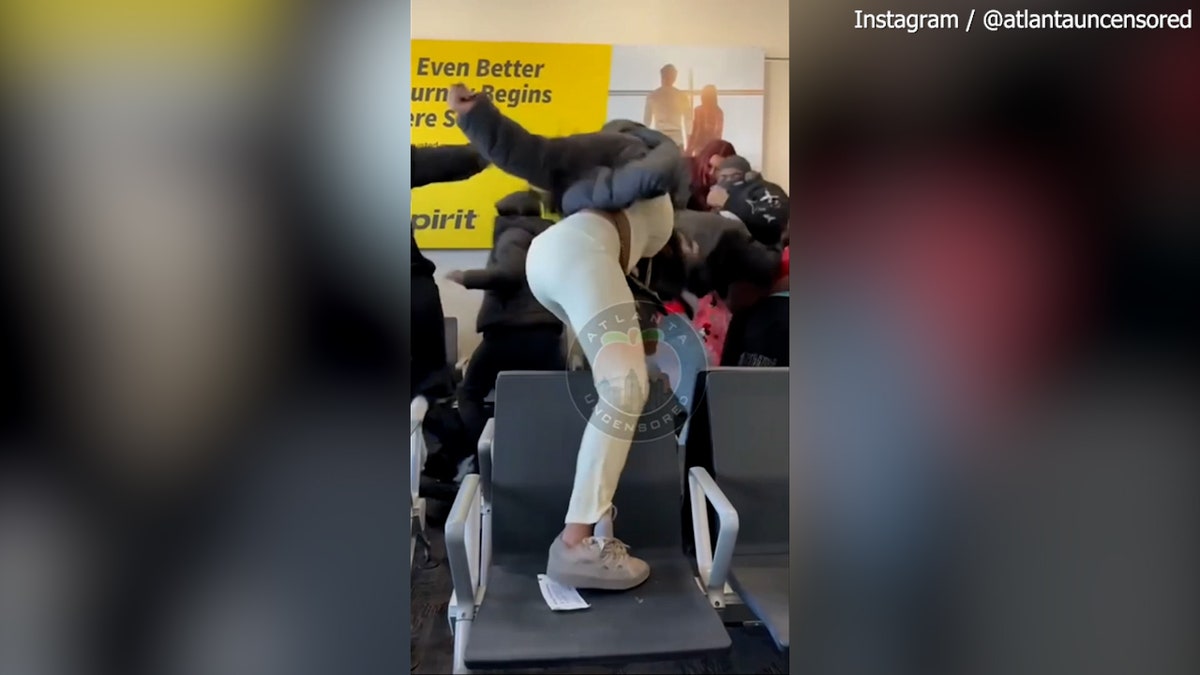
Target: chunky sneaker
(597, 563)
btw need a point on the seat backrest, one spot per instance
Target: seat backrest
(540, 420)
(451, 327)
(748, 422)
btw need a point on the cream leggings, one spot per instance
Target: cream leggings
(574, 270)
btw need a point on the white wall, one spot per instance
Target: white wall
(759, 23)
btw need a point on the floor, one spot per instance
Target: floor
(432, 642)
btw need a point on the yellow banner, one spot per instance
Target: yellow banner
(551, 89)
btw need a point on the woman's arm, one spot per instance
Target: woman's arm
(508, 269)
(508, 145)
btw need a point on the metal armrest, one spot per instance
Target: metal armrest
(713, 565)
(486, 440)
(462, 535)
(416, 412)
(487, 437)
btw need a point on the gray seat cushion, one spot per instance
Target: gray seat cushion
(665, 618)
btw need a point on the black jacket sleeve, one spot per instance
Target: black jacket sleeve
(767, 333)
(735, 338)
(737, 258)
(778, 347)
(609, 189)
(444, 164)
(508, 145)
(507, 269)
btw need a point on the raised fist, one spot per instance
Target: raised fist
(461, 99)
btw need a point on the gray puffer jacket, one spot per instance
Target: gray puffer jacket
(607, 170)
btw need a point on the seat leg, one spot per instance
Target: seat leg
(414, 522)
(420, 537)
(462, 631)
(485, 546)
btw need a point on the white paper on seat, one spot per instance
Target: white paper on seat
(560, 598)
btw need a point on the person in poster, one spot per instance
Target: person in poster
(708, 121)
(669, 109)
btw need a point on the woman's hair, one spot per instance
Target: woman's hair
(702, 178)
(708, 95)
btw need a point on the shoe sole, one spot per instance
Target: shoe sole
(585, 583)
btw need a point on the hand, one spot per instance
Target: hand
(717, 197)
(690, 250)
(461, 99)
(457, 276)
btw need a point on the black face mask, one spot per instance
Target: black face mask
(727, 182)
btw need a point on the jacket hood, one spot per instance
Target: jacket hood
(524, 203)
(522, 210)
(534, 225)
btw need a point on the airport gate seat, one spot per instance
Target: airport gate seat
(746, 452)
(504, 519)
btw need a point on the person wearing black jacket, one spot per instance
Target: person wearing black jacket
(430, 374)
(743, 194)
(722, 255)
(758, 330)
(518, 332)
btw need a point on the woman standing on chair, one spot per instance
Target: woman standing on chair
(615, 191)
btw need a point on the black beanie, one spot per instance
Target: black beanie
(735, 162)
